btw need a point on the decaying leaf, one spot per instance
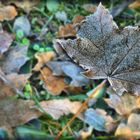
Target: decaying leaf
(53, 84)
(42, 59)
(13, 111)
(5, 42)
(107, 51)
(7, 13)
(58, 108)
(99, 120)
(14, 59)
(123, 104)
(16, 111)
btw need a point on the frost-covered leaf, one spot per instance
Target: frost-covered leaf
(99, 120)
(58, 108)
(69, 69)
(14, 59)
(108, 52)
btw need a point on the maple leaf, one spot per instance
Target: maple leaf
(107, 52)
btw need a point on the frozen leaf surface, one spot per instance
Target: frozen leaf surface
(106, 51)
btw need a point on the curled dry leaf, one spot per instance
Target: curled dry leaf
(42, 58)
(68, 30)
(135, 4)
(131, 128)
(5, 42)
(53, 84)
(7, 13)
(14, 59)
(107, 51)
(123, 104)
(99, 120)
(58, 108)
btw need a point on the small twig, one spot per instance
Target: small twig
(84, 104)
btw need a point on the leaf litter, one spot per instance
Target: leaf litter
(101, 48)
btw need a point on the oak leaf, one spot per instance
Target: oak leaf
(107, 51)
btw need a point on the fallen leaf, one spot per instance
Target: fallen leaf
(66, 31)
(26, 5)
(107, 51)
(5, 42)
(90, 7)
(14, 59)
(58, 108)
(77, 19)
(131, 128)
(67, 68)
(18, 80)
(16, 111)
(42, 58)
(135, 4)
(123, 104)
(53, 84)
(99, 120)
(7, 13)
(23, 24)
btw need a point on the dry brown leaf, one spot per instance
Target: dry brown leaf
(26, 5)
(54, 84)
(58, 108)
(131, 128)
(77, 19)
(16, 111)
(42, 59)
(123, 130)
(7, 13)
(135, 4)
(66, 31)
(123, 104)
(13, 111)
